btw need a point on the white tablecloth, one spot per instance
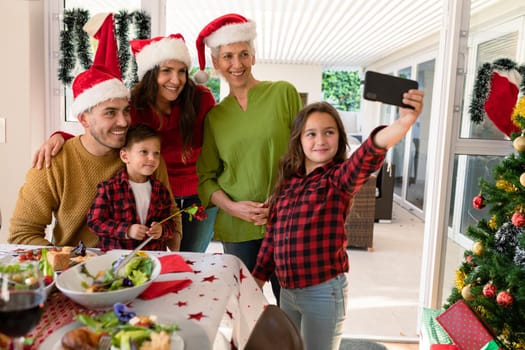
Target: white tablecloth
(221, 305)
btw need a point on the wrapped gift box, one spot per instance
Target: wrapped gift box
(464, 327)
(431, 330)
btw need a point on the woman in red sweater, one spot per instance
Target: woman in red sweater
(166, 99)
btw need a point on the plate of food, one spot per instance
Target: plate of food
(59, 258)
(122, 326)
(95, 285)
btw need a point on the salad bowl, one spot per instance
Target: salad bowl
(77, 282)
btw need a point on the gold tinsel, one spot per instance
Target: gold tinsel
(460, 279)
(492, 222)
(481, 311)
(518, 114)
(506, 186)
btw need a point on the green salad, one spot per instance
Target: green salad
(129, 331)
(135, 273)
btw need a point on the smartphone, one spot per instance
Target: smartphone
(387, 88)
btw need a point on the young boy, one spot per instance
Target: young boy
(129, 206)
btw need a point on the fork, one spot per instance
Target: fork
(104, 343)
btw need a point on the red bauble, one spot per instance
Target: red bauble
(478, 202)
(489, 290)
(518, 219)
(504, 299)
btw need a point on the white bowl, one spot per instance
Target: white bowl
(70, 281)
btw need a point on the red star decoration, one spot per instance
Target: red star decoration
(196, 316)
(215, 299)
(181, 303)
(190, 262)
(242, 275)
(197, 271)
(209, 278)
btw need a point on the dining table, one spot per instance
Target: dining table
(217, 310)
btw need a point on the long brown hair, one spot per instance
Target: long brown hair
(293, 161)
(144, 96)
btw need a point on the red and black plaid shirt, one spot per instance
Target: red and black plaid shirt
(114, 210)
(305, 241)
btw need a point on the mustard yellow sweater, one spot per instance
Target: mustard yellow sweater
(66, 191)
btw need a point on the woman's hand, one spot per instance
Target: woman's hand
(48, 150)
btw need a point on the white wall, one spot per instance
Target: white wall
(309, 83)
(306, 78)
(21, 95)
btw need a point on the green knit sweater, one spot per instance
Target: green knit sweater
(64, 191)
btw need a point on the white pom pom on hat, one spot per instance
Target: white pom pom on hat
(152, 52)
(102, 81)
(227, 29)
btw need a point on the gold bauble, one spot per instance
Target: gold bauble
(522, 179)
(478, 248)
(519, 143)
(466, 293)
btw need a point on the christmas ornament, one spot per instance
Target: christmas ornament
(496, 93)
(518, 219)
(478, 202)
(489, 290)
(519, 143)
(478, 248)
(468, 259)
(504, 299)
(522, 179)
(466, 293)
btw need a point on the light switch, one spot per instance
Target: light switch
(2, 130)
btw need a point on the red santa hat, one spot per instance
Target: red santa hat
(227, 29)
(151, 52)
(496, 93)
(102, 81)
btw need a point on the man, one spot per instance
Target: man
(66, 190)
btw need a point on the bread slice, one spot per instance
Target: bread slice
(59, 260)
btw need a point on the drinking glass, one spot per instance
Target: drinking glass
(22, 297)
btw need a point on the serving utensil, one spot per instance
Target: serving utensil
(128, 257)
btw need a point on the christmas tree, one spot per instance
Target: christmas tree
(491, 279)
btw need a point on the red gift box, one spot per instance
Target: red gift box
(464, 327)
(443, 347)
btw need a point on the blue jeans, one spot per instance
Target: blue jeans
(247, 252)
(196, 235)
(318, 311)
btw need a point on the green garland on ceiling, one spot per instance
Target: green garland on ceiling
(75, 45)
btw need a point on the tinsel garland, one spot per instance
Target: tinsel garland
(73, 36)
(518, 114)
(482, 86)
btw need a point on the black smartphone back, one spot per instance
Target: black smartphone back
(387, 88)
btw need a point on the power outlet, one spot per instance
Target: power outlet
(2, 130)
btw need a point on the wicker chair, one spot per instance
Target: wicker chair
(359, 224)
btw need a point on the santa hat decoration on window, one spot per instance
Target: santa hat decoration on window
(227, 29)
(102, 81)
(152, 52)
(495, 93)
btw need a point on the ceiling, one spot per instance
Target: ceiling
(337, 34)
